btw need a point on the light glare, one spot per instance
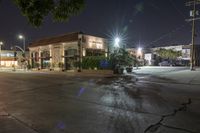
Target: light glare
(139, 51)
(21, 36)
(117, 40)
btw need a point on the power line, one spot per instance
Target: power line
(177, 29)
(169, 33)
(178, 10)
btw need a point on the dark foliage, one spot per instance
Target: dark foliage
(60, 10)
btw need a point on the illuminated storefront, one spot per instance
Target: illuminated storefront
(7, 58)
(68, 50)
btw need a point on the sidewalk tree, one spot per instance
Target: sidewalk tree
(60, 10)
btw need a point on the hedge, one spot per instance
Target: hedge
(99, 62)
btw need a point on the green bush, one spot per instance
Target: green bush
(37, 65)
(29, 66)
(60, 64)
(99, 62)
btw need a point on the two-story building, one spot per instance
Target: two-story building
(68, 49)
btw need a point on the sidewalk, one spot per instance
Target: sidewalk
(86, 73)
(181, 75)
(184, 76)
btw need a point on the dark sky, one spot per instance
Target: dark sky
(144, 22)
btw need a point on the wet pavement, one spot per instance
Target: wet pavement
(54, 103)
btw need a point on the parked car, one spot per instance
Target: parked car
(179, 63)
(164, 63)
(129, 69)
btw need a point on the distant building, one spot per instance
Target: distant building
(150, 55)
(185, 50)
(135, 52)
(139, 54)
(8, 59)
(68, 49)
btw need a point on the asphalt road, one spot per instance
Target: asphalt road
(58, 103)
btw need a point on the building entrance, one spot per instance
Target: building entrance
(70, 59)
(45, 59)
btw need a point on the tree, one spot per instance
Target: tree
(122, 58)
(60, 10)
(168, 53)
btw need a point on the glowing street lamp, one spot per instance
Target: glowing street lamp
(139, 52)
(117, 41)
(21, 36)
(139, 49)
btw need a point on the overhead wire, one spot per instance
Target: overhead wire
(174, 30)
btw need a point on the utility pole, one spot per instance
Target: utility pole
(1, 43)
(193, 14)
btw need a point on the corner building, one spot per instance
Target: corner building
(68, 49)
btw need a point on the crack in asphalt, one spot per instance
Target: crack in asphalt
(8, 115)
(177, 128)
(154, 127)
(25, 124)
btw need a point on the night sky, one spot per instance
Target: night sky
(142, 22)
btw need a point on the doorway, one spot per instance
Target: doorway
(70, 59)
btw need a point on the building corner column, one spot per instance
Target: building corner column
(80, 48)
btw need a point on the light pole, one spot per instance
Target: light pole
(21, 37)
(1, 43)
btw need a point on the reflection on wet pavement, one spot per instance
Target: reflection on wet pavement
(56, 104)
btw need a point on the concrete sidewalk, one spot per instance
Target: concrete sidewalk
(84, 73)
(181, 75)
(184, 76)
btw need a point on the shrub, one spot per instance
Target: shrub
(29, 66)
(99, 62)
(60, 65)
(37, 65)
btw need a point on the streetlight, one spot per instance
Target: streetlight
(139, 54)
(21, 37)
(117, 41)
(1, 43)
(139, 51)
